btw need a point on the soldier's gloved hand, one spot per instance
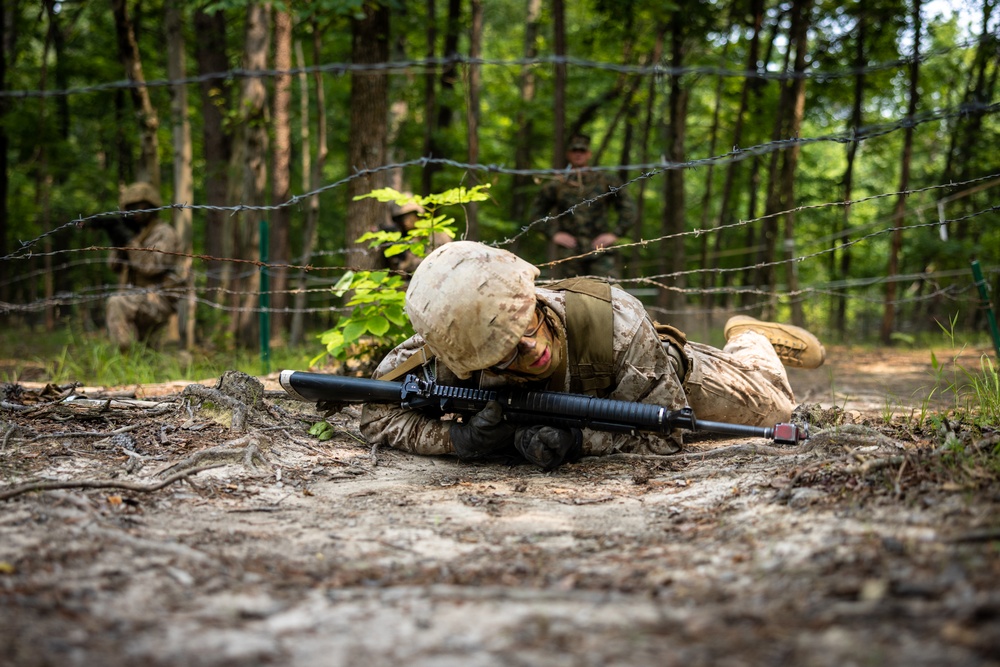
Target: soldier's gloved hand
(548, 446)
(484, 434)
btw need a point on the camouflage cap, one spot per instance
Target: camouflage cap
(471, 303)
(579, 142)
(141, 192)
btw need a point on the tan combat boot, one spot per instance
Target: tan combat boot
(796, 347)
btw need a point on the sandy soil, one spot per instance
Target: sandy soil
(869, 545)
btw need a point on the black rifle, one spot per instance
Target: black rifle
(548, 408)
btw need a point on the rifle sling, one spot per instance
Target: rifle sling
(418, 358)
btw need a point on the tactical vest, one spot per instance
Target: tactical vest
(590, 335)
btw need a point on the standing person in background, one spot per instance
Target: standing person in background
(587, 227)
(148, 279)
(403, 220)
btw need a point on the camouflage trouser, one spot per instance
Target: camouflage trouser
(135, 317)
(742, 383)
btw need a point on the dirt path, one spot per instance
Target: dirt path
(868, 546)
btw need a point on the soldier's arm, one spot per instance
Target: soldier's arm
(408, 430)
(153, 264)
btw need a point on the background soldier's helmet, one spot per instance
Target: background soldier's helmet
(396, 210)
(141, 192)
(471, 303)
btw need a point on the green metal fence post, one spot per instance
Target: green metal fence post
(265, 301)
(977, 274)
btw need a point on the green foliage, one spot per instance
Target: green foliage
(70, 356)
(377, 297)
(977, 393)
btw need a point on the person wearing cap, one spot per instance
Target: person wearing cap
(587, 227)
(403, 219)
(481, 322)
(148, 281)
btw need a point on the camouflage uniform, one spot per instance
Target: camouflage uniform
(135, 316)
(586, 222)
(743, 383)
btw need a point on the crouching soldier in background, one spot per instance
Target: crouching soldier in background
(148, 280)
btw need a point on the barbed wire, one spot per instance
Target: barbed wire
(648, 170)
(441, 63)
(311, 269)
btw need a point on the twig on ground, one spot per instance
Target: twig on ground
(28, 487)
(245, 450)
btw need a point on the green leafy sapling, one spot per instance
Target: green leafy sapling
(377, 297)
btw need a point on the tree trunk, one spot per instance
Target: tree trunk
(647, 128)
(707, 219)
(369, 116)
(148, 168)
(800, 34)
(839, 316)
(210, 53)
(525, 127)
(889, 310)
(281, 175)
(430, 104)
(183, 182)
(766, 276)
(559, 92)
(727, 211)
(253, 159)
(472, 124)
(4, 143)
(312, 175)
(673, 258)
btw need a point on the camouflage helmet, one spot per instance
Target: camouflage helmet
(396, 209)
(471, 303)
(141, 192)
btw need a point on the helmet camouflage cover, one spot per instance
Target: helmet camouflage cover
(471, 303)
(141, 192)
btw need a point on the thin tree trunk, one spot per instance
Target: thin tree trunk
(472, 124)
(183, 181)
(312, 175)
(727, 212)
(430, 104)
(369, 118)
(800, 34)
(673, 259)
(647, 128)
(525, 127)
(4, 177)
(281, 175)
(707, 278)
(253, 158)
(889, 310)
(559, 92)
(128, 51)
(766, 277)
(839, 319)
(210, 54)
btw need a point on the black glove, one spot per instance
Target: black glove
(484, 434)
(548, 446)
(117, 229)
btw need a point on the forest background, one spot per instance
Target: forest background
(828, 163)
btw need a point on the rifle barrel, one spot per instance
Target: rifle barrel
(322, 387)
